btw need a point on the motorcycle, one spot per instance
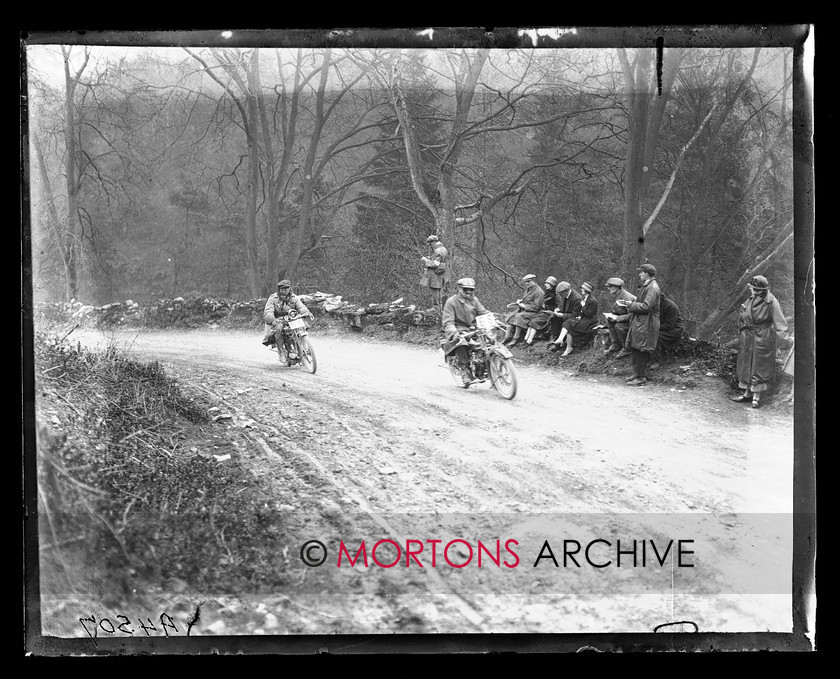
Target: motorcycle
(489, 359)
(296, 343)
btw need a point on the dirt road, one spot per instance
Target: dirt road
(380, 444)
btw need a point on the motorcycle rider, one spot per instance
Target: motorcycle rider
(277, 306)
(458, 316)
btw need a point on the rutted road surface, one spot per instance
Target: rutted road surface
(380, 443)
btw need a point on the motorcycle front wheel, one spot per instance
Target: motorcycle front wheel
(307, 355)
(503, 375)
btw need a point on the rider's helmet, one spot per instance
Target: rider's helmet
(432, 239)
(284, 286)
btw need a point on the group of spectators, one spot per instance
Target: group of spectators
(643, 325)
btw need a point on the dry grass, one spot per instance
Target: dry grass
(129, 488)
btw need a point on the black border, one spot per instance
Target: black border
(804, 477)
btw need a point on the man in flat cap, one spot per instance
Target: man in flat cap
(435, 275)
(568, 306)
(458, 316)
(644, 324)
(526, 309)
(618, 318)
(278, 305)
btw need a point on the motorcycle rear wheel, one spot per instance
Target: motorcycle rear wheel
(503, 376)
(457, 373)
(307, 355)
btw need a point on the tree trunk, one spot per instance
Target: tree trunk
(73, 231)
(638, 97)
(645, 111)
(305, 215)
(253, 184)
(738, 293)
(52, 213)
(272, 231)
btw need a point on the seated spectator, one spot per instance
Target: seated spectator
(581, 325)
(670, 329)
(568, 306)
(543, 319)
(618, 318)
(526, 308)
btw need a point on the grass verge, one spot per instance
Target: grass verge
(130, 491)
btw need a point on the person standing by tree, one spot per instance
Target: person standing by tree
(435, 275)
(618, 320)
(644, 323)
(760, 322)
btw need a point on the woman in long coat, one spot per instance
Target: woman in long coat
(542, 320)
(580, 325)
(760, 323)
(529, 306)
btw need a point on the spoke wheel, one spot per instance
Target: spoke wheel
(457, 372)
(307, 355)
(503, 375)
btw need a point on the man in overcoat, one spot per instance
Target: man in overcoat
(761, 323)
(644, 324)
(435, 275)
(458, 315)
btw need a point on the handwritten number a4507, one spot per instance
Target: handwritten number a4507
(166, 623)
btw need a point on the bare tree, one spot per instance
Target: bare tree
(71, 251)
(238, 66)
(645, 101)
(436, 187)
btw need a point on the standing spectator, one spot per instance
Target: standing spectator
(760, 322)
(670, 329)
(580, 325)
(568, 306)
(618, 319)
(644, 324)
(541, 321)
(435, 275)
(529, 306)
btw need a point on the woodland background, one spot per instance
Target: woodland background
(165, 172)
